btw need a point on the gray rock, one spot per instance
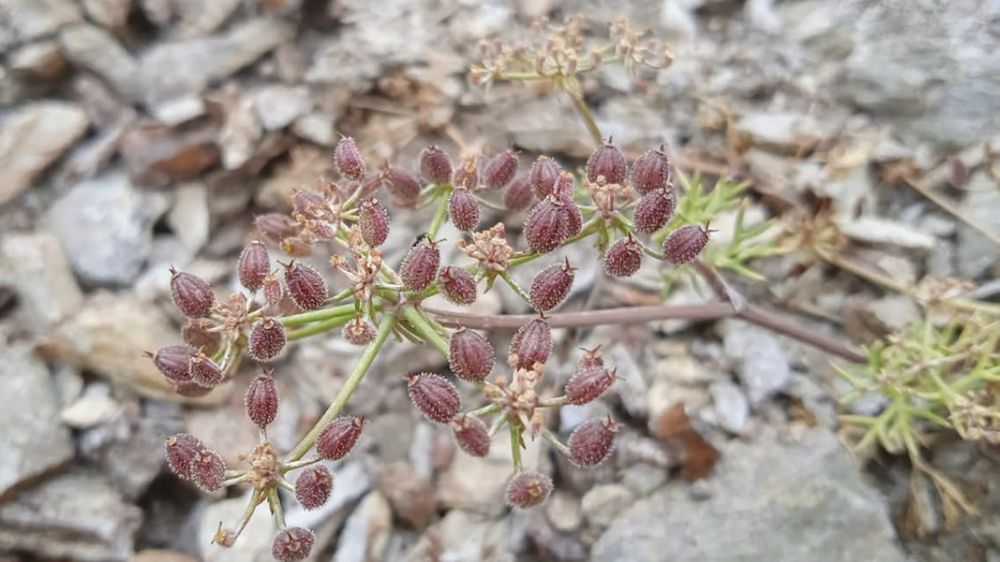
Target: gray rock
(563, 511)
(111, 14)
(41, 60)
(731, 408)
(316, 127)
(96, 50)
(255, 541)
(278, 105)
(21, 20)
(977, 254)
(33, 441)
(189, 217)
(42, 278)
(766, 501)
(105, 227)
(366, 533)
(762, 364)
(32, 138)
(463, 537)
(79, 515)
(604, 502)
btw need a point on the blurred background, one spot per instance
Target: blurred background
(140, 134)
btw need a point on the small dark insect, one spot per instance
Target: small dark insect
(420, 238)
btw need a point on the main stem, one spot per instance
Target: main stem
(350, 385)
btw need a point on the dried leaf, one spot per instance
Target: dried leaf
(698, 456)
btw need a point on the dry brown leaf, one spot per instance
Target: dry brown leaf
(698, 456)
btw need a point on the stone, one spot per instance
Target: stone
(366, 533)
(731, 407)
(189, 217)
(95, 49)
(255, 541)
(878, 230)
(478, 483)
(317, 127)
(32, 138)
(976, 253)
(41, 275)
(767, 501)
(78, 515)
(160, 155)
(34, 441)
(112, 14)
(462, 536)
(278, 105)
(105, 226)
(762, 364)
(160, 555)
(93, 407)
(42, 60)
(241, 131)
(784, 132)
(602, 503)
(563, 511)
(22, 20)
(410, 494)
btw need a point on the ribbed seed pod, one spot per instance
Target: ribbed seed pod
(174, 361)
(684, 244)
(532, 344)
(359, 331)
(623, 258)
(420, 265)
(654, 210)
(434, 396)
(292, 544)
(588, 383)
(373, 220)
(591, 442)
(591, 358)
(467, 175)
(275, 226)
(181, 450)
(267, 339)
(308, 203)
(472, 435)
(196, 333)
(546, 226)
(528, 489)
(261, 401)
(463, 209)
(254, 265)
(500, 169)
(551, 286)
(457, 285)
(470, 355)
(435, 165)
(574, 218)
(313, 486)
(305, 285)
(402, 185)
(191, 389)
(192, 295)
(348, 160)
(339, 437)
(609, 162)
(208, 470)
(543, 176)
(206, 372)
(519, 195)
(651, 171)
(273, 293)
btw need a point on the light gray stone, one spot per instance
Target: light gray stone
(42, 278)
(21, 20)
(762, 363)
(278, 105)
(977, 254)
(96, 50)
(731, 407)
(602, 503)
(766, 501)
(366, 533)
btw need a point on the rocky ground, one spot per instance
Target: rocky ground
(138, 134)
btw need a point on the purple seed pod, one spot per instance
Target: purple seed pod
(623, 258)
(551, 286)
(457, 285)
(519, 195)
(591, 442)
(197, 333)
(564, 186)
(348, 160)
(292, 544)
(685, 244)
(543, 176)
(528, 489)
(546, 226)
(206, 372)
(275, 226)
(208, 470)
(359, 331)
(608, 162)
(339, 437)
(261, 401)
(467, 175)
(574, 218)
(273, 293)
(191, 389)
(181, 450)
(472, 435)
(254, 265)
(174, 361)
(420, 265)
(267, 339)
(591, 358)
(305, 285)
(588, 383)
(532, 344)
(369, 187)
(470, 355)
(463, 209)
(651, 171)
(434, 396)
(373, 220)
(313, 487)
(500, 169)
(654, 210)
(308, 203)
(402, 185)
(192, 294)
(435, 165)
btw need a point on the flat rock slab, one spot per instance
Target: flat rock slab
(768, 501)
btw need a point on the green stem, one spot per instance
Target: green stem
(274, 502)
(350, 385)
(588, 117)
(513, 285)
(592, 226)
(515, 446)
(439, 216)
(317, 315)
(319, 327)
(422, 326)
